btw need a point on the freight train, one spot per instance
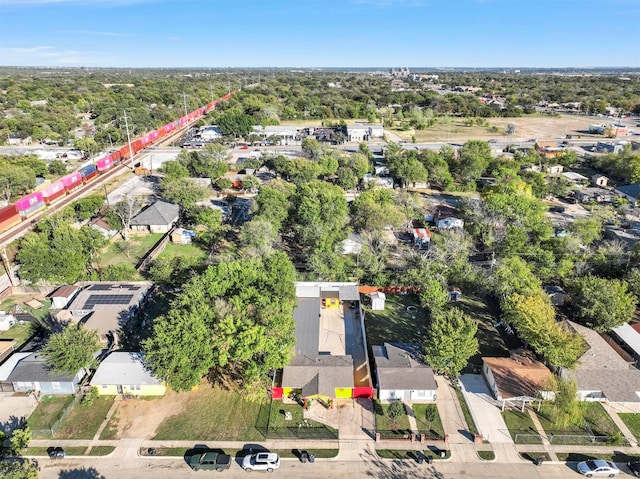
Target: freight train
(30, 204)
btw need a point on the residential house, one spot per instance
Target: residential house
(104, 228)
(17, 139)
(63, 296)
(401, 373)
(592, 194)
(574, 177)
(630, 192)
(32, 374)
(554, 169)
(520, 378)
(351, 245)
(549, 149)
(450, 223)
(330, 353)
(6, 368)
(599, 180)
(603, 375)
(156, 218)
(126, 373)
(627, 337)
(106, 306)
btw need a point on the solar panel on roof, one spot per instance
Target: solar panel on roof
(100, 287)
(107, 299)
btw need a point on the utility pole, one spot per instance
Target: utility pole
(211, 91)
(106, 195)
(126, 124)
(7, 266)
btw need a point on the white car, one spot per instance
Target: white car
(598, 468)
(261, 461)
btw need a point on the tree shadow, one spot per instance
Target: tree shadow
(392, 469)
(13, 423)
(80, 473)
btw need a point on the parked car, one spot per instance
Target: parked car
(598, 468)
(262, 461)
(210, 461)
(634, 467)
(557, 209)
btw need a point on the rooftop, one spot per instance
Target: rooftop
(401, 366)
(124, 368)
(32, 368)
(519, 375)
(159, 213)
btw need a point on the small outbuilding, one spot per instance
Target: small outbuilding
(6, 321)
(377, 300)
(183, 236)
(599, 180)
(63, 296)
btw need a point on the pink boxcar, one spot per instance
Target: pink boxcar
(71, 181)
(105, 163)
(28, 201)
(53, 191)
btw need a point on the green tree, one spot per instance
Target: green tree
(87, 145)
(567, 409)
(15, 180)
(433, 295)
(272, 204)
(119, 272)
(587, 230)
(71, 349)
(20, 439)
(395, 411)
(258, 237)
(601, 304)
(88, 206)
(474, 157)
(57, 168)
(183, 191)
(375, 209)
(20, 469)
(235, 123)
(311, 148)
(450, 341)
(174, 169)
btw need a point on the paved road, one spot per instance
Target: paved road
(368, 467)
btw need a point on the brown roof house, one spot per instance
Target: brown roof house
(520, 378)
(63, 296)
(402, 373)
(156, 218)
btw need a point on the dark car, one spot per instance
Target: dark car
(557, 209)
(210, 461)
(634, 467)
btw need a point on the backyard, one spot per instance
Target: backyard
(395, 324)
(171, 250)
(119, 252)
(20, 333)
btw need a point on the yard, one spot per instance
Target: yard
(295, 428)
(521, 427)
(20, 333)
(118, 251)
(395, 324)
(20, 299)
(632, 421)
(47, 413)
(212, 414)
(433, 427)
(171, 250)
(84, 420)
(388, 428)
(493, 342)
(595, 417)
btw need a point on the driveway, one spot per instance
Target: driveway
(484, 410)
(13, 408)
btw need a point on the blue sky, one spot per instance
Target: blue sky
(314, 33)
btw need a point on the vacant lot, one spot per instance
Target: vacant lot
(540, 127)
(395, 324)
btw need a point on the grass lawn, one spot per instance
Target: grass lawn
(595, 416)
(85, 420)
(521, 423)
(435, 427)
(632, 421)
(101, 450)
(214, 414)
(385, 426)
(47, 412)
(20, 333)
(116, 251)
(70, 450)
(487, 455)
(171, 250)
(465, 411)
(531, 456)
(492, 342)
(395, 324)
(21, 299)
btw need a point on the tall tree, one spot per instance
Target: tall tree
(600, 303)
(450, 341)
(126, 209)
(72, 349)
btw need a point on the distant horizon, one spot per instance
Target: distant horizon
(348, 34)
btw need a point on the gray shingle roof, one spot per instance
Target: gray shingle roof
(400, 366)
(33, 369)
(631, 190)
(306, 316)
(123, 368)
(318, 375)
(159, 213)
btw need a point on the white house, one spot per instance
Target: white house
(6, 321)
(364, 131)
(402, 374)
(450, 223)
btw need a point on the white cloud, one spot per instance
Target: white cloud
(47, 55)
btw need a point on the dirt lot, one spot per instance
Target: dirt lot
(139, 418)
(539, 127)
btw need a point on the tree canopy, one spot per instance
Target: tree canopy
(601, 303)
(72, 349)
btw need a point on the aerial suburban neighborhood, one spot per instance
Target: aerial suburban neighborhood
(358, 272)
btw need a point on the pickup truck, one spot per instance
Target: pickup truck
(210, 461)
